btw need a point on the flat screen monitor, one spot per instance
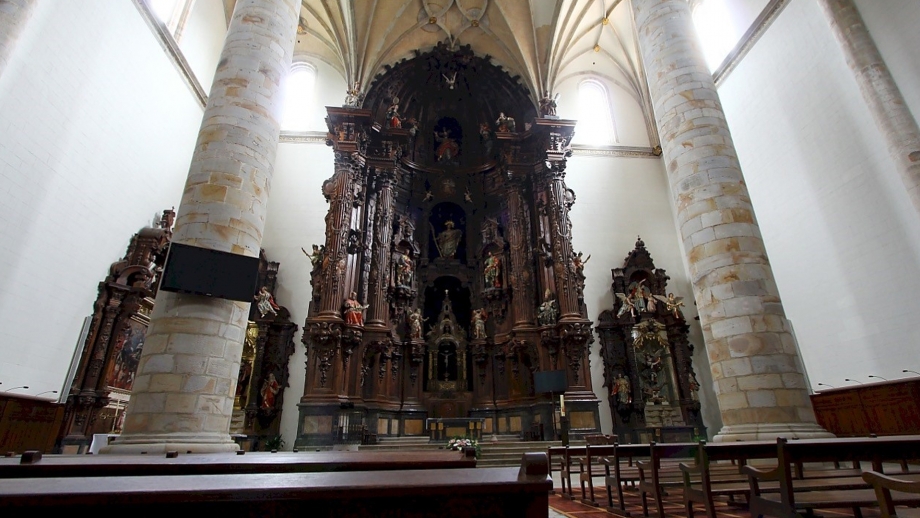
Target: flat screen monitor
(550, 382)
(191, 269)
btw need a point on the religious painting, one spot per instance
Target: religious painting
(127, 354)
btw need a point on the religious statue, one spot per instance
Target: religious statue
(694, 387)
(627, 305)
(242, 380)
(269, 390)
(548, 312)
(405, 269)
(354, 311)
(448, 240)
(415, 320)
(485, 137)
(504, 124)
(428, 196)
(353, 95)
(316, 257)
(447, 149)
(393, 119)
(479, 324)
(672, 304)
(412, 124)
(622, 390)
(639, 293)
(493, 271)
(266, 303)
(468, 196)
(578, 264)
(548, 106)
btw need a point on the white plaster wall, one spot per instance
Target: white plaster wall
(617, 200)
(96, 134)
(296, 219)
(838, 226)
(202, 39)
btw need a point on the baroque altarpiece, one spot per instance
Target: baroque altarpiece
(648, 370)
(447, 278)
(105, 375)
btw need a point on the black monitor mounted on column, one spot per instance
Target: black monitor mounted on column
(212, 273)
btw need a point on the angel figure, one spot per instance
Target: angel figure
(316, 257)
(479, 324)
(627, 305)
(468, 196)
(672, 303)
(428, 196)
(579, 264)
(266, 303)
(450, 80)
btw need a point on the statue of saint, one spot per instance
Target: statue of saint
(493, 271)
(415, 324)
(354, 311)
(405, 269)
(266, 303)
(393, 118)
(621, 389)
(447, 149)
(479, 324)
(448, 240)
(548, 313)
(269, 390)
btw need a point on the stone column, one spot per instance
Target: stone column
(14, 15)
(881, 93)
(183, 394)
(755, 368)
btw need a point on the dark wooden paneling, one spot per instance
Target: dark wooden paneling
(28, 424)
(886, 408)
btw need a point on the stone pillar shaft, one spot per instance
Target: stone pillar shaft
(14, 15)
(891, 113)
(760, 387)
(184, 390)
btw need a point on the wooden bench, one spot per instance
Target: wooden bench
(887, 488)
(651, 478)
(585, 462)
(219, 464)
(594, 464)
(805, 495)
(620, 471)
(461, 493)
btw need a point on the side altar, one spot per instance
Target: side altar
(447, 277)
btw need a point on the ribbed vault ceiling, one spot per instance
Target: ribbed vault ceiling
(545, 42)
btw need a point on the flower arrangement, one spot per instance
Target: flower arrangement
(463, 443)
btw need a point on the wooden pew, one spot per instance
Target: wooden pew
(805, 495)
(455, 493)
(593, 469)
(884, 486)
(592, 465)
(219, 464)
(650, 472)
(621, 470)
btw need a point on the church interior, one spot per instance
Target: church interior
(306, 225)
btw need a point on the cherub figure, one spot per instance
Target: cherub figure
(672, 303)
(428, 196)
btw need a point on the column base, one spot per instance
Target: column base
(770, 431)
(181, 442)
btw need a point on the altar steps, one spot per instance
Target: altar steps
(506, 451)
